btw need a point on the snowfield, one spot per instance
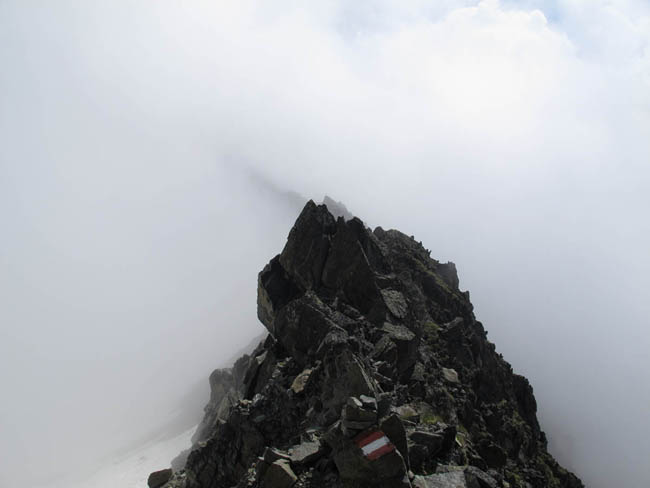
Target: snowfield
(131, 469)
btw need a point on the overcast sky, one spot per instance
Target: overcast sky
(511, 137)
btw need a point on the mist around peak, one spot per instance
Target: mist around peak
(510, 137)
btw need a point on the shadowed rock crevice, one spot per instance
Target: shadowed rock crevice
(375, 372)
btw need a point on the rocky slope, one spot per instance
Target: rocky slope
(375, 372)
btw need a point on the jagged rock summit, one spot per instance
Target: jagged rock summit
(375, 373)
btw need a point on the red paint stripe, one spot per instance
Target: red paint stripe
(366, 438)
(381, 451)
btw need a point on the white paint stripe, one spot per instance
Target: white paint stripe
(374, 445)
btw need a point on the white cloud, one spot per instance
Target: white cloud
(511, 137)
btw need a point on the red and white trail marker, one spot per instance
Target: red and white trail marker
(374, 444)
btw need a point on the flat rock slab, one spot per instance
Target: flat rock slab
(306, 453)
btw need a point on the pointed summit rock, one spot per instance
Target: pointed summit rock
(375, 373)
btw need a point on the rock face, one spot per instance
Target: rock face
(375, 373)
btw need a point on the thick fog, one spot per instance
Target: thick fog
(146, 148)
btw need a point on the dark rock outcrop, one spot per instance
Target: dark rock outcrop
(375, 372)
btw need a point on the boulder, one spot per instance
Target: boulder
(433, 442)
(380, 464)
(355, 417)
(274, 290)
(354, 410)
(448, 433)
(306, 452)
(315, 318)
(407, 412)
(302, 324)
(279, 475)
(395, 302)
(159, 478)
(344, 377)
(450, 375)
(484, 479)
(352, 465)
(405, 342)
(300, 382)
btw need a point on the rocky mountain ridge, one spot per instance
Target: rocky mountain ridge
(375, 372)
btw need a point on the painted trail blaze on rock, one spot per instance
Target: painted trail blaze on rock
(374, 444)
